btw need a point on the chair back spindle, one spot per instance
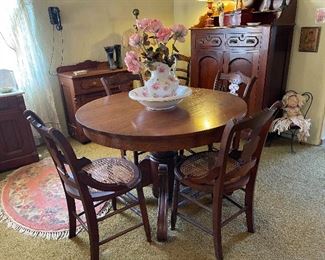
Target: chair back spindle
(182, 70)
(121, 82)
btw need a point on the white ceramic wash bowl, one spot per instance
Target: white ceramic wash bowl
(164, 103)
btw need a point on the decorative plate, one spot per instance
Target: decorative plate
(161, 103)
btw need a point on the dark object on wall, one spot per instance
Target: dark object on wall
(78, 90)
(262, 51)
(55, 18)
(16, 139)
(309, 39)
(114, 56)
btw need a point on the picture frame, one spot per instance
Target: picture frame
(309, 39)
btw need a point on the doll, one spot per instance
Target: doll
(292, 116)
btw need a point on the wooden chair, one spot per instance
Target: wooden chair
(223, 81)
(245, 84)
(224, 172)
(182, 70)
(122, 82)
(294, 128)
(93, 183)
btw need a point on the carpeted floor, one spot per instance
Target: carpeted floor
(289, 219)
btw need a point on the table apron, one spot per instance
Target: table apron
(155, 143)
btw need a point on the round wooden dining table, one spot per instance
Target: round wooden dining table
(118, 122)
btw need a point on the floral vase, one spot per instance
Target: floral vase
(163, 81)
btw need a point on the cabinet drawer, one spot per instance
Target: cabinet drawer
(225, 39)
(243, 40)
(11, 102)
(84, 99)
(88, 85)
(209, 40)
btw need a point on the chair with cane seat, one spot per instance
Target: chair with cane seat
(223, 172)
(93, 183)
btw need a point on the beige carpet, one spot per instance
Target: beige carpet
(289, 218)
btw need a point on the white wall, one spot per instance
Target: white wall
(89, 25)
(307, 69)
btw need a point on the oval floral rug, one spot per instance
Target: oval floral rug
(33, 201)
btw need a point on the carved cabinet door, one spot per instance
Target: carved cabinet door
(206, 58)
(248, 64)
(205, 67)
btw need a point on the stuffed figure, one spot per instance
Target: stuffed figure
(234, 85)
(292, 115)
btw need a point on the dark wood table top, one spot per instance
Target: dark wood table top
(119, 122)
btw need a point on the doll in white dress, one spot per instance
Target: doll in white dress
(292, 115)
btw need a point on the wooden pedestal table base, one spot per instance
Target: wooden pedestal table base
(160, 167)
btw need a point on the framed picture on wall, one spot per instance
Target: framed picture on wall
(309, 39)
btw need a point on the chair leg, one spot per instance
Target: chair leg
(210, 147)
(144, 214)
(217, 218)
(292, 139)
(123, 153)
(175, 204)
(136, 158)
(249, 198)
(114, 204)
(181, 153)
(72, 219)
(92, 225)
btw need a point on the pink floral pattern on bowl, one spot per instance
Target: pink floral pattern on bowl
(159, 103)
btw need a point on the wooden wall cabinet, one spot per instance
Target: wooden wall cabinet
(262, 51)
(78, 90)
(17, 145)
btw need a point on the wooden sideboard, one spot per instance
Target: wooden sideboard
(78, 90)
(262, 51)
(17, 145)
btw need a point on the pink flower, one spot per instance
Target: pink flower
(135, 40)
(161, 69)
(163, 34)
(154, 26)
(132, 62)
(155, 85)
(143, 23)
(180, 32)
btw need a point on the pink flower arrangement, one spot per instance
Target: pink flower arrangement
(132, 62)
(135, 40)
(149, 44)
(180, 32)
(163, 34)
